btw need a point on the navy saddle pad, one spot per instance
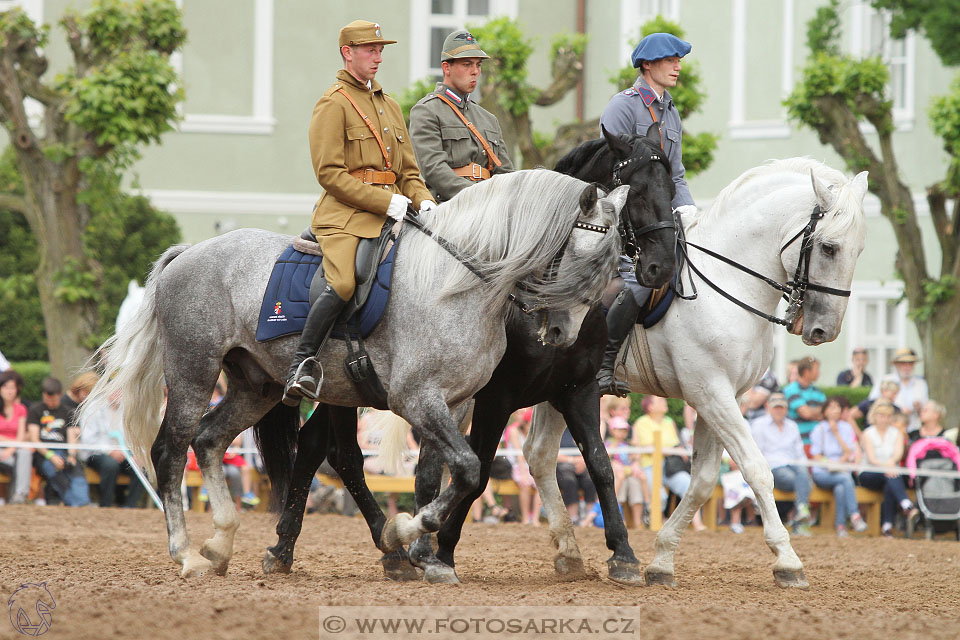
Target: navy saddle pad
(286, 301)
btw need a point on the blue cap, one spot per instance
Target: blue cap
(659, 45)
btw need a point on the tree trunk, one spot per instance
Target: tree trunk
(942, 367)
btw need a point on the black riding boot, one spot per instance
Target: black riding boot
(621, 319)
(302, 382)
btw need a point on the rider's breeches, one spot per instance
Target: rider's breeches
(339, 262)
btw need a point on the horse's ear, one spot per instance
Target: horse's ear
(654, 135)
(588, 199)
(825, 197)
(618, 197)
(859, 185)
(620, 149)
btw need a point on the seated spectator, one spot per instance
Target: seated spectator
(889, 388)
(529, 498)
(804, 399)
(856, 375)
(756, 400)
(15, 462)
(105, 427)
(48, 421)
(883, 447)
(931, 421)
(572, 476)
(913, 393)
(655, 419)
(629, 480)
(79, 389)
(613, 407)
(779, 440)
(834, 440)
(737, 495)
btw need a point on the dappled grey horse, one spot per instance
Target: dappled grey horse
(542, 237)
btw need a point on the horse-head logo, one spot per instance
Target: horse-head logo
(30, 608)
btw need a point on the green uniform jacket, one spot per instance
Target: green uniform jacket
(442, 141)
(340, 142)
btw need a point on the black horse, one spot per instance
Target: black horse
(528, 374)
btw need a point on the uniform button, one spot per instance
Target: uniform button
(385, 129)
(388, 148)
(381, 111)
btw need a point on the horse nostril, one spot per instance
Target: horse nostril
(653, 271)
(818, 335)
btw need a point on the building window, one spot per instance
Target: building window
(871, 37)
(433, 20)
(633, 13)
(878, 323)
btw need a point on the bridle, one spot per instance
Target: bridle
(413, 218)
(794, 291)
(629, 236)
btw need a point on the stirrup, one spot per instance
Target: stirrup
(610, 386)
(300, 386)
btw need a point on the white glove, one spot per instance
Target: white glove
(686, 209)
(427, 205)
(398, 206)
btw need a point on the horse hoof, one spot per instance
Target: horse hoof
(440, 574)
(790, 579)
(398, 568)
(272, 564)
(659, 577)
(219, 562)
(625, 573)
(569, 568)
(195, 566)
(395, 532)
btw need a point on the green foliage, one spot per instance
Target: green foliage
(19, 23)
(845, 77)
(509, 50)
(934, 293)
(855, 395)
(945, 120)
(938, 19)
(33, 372)
(698, 151)
(823, 30)
(412, 94)
(543, 140)
(74, 283)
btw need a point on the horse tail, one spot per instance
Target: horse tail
(130, 364)
(276, 437)
(393, 440)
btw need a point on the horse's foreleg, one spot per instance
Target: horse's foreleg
(540, 452)
(705, 468)
(312, 440)
(787, 570)
(582, 413)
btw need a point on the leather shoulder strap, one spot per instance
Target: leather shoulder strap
(492, 158)
(373, 129)
(654, 116)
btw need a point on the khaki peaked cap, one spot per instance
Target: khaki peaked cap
(362, 32)
(461, 44)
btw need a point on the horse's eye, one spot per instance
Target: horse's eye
(828, 250)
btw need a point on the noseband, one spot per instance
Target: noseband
(794, 291)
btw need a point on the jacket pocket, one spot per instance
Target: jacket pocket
(671, 139)
(454, 132)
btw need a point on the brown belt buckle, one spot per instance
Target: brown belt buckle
(372, 176)
(475, 170)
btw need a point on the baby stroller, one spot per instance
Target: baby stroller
(938, 498)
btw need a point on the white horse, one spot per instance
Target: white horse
(709, 351)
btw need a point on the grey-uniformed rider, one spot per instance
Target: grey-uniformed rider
(632, 112)
(451, 156)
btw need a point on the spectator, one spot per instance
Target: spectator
(792, 371)
(613, 407)
(756, 400)
(913, 392)
(804, 400)
(655, 419)
(883, 447)
(931, 421)
(49, 421)
(529, 498)
(79, 389)
(834, 440)
(630, 482)
(737, 494)
(105, 426)
(15, 462)
(856, 375)
(779, 440)
(889, 388)
(572, 476)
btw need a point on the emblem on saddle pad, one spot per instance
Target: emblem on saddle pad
(277, 307)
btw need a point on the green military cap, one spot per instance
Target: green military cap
(362, 32)
(461, 44)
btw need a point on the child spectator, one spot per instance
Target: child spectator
(529, 498)
(14, 461)
(629, 479)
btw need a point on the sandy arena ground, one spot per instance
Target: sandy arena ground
(112, 578)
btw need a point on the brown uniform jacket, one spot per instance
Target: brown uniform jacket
(340, 142)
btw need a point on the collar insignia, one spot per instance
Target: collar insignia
(453, 96)
(647, 95)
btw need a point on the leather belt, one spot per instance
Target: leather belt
(473, 171)
(372, 176)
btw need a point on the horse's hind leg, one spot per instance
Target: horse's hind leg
(705, 468)
(239, 409)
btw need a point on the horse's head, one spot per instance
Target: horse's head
(586, 261)
(822, 260)
(647, 220)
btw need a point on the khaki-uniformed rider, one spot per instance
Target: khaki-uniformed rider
(451, 156)
(363, 159)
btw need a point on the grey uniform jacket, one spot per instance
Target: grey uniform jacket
(441, 141)
(628, 113)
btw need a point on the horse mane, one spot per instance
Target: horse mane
(580, 155)
(845, 214)
(511, 227)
